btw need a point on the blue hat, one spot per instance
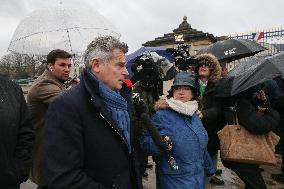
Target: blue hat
(185, 79)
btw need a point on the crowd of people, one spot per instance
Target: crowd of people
(93, 134)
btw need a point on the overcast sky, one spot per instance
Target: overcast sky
(142, 20)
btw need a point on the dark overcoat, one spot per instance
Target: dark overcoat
(83, 146)
(16, 136)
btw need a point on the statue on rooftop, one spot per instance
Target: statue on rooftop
(184, 23)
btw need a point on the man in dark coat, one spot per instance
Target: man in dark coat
(87, 142)
(16, 136)
(208, 72)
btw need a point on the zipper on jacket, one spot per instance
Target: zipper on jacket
(115, 131)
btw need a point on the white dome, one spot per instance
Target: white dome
(68, 28)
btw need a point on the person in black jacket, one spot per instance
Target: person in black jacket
(208, 72)
(87, 138)
(16, 136)
(253, 115)
(279, 106)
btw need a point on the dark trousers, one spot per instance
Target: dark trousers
(42, 187)
(142, 160)
(248, 173)
(252, 180)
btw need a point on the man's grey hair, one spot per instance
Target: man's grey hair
(101, 48)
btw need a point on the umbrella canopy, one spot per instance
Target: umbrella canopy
(133, 56)
(233, 49)
(67, 28)
(250, 73)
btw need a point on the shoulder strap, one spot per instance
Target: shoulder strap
(236, 121)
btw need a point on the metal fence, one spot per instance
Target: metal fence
(272, 39)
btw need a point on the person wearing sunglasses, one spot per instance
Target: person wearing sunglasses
(208, 73)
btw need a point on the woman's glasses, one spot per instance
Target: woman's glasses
(205, 65)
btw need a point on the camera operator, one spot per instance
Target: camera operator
(150, 70)
(146, 80)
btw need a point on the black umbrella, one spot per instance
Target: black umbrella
(250, 73)
(233, 49)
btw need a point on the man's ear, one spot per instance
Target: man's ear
(95, 64)
(50, 66)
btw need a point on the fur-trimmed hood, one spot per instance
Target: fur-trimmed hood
(161, 104)
(210, 59)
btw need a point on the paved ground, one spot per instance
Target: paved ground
(231, 180)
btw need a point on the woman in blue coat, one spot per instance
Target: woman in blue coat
(177, 118)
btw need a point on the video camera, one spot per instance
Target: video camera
(149, 69)
(183, 59)
(146, 70)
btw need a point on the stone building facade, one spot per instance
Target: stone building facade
(193, 37)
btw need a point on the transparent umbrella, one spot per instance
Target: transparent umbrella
(63, 27)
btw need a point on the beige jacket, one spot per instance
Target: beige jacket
(43, 91)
